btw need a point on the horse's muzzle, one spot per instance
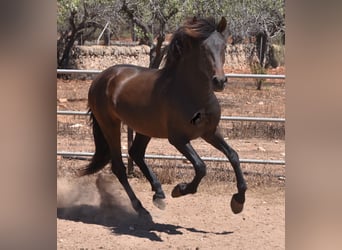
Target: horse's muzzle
(219, 83)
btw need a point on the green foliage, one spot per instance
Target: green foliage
(79, 20)
(98, 9)
(244, 16)
(203, 8)
(149, 19)
(64, 8)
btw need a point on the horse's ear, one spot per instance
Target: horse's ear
(222, 25)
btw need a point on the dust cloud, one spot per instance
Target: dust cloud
(97, 200)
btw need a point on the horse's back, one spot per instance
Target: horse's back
(111, 80)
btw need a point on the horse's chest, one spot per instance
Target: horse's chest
(194, 117)
(204, 119)
(200, 121)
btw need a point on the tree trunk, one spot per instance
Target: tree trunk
(261, 47)
(157, 52)
(63, 62)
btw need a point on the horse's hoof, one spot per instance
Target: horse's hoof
(159, 203)
(177, 190)
(145, 216)
(236, 206)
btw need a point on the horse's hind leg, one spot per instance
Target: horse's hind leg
(119, 169)
(137, 153)
(218, 142)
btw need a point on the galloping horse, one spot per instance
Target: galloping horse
(176, 102)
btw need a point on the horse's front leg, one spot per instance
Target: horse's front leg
(200, 168)
(218, 142)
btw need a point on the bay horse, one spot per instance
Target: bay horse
(176, 102)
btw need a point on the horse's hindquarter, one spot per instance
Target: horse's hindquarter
(136, 100)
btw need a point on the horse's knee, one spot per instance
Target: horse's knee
(201, 170)
(234, 157)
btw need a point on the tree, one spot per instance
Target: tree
(149, 20)
(262, 19)
(79, 20)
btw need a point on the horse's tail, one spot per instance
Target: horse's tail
(102, 153)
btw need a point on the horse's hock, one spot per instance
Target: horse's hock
(102, 57)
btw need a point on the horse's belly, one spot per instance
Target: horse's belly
(146, 125)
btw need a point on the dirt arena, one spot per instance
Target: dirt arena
(94, 212)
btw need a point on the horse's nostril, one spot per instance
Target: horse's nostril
(215, 80)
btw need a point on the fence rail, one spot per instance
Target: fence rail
(231, 75)
(170, 157)
(177, 157)
(224, 118)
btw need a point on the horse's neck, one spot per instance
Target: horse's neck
(191, 76)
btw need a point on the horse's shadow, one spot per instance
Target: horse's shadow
(113, 211)
(122, 222)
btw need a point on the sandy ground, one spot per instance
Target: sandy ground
(200, 221)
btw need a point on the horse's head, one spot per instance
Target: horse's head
(203, 43)
(212, 52)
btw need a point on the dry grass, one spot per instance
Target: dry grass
(243, 129)
(177, 171)
(170, 172)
